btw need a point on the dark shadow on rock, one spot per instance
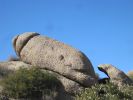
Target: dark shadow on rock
(104, 80)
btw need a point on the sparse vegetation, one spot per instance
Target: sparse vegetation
(107, 91)
(34, 83)
(30, 83)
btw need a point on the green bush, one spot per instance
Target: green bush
(30, 83)
(107, 91)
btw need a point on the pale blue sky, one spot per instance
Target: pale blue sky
(102, 29)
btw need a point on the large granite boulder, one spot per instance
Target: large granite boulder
(115, 75)
(72, 66)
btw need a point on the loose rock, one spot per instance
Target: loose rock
(116, 76)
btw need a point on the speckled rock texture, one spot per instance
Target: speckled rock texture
(52, 55)
(116, 76)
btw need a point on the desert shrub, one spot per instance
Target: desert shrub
(107, 91)
(29, 83)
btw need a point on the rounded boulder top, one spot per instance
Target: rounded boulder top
(20, 40)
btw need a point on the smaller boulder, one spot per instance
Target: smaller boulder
(116, 76)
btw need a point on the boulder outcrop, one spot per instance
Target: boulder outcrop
(71, 65)
(116, 76)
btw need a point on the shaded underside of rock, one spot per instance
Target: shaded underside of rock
(116, 76)
(55, 56)
(70, 86)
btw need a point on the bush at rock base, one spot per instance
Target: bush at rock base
(30, 83)
(107, 91)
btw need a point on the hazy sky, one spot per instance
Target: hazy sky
(102, 29)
